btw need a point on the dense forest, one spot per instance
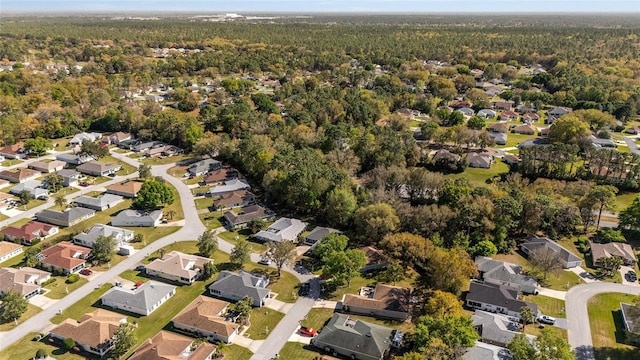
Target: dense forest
(309, 110)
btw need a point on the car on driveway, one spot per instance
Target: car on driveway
(86, 272)
(264, 261)
(631, 275)
(304, 330)
(547, 319)
(304, 289)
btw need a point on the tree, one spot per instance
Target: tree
(608, 235)
(374, 221)
(281, 253)
(41, 354)
(68, 343)
(61, 201)
(38, 146)
(208, 269)
(340, 205)
(630, 217)
(568, 129)
(548, 345)
(31, 256)
(13, 306)
(161, 253)
(453, 333)
(521, 348)
(605, 196)
(144, 171)
(25, 196)
(170, 214)
(104, 248)
(484, 248)
(344, 265)
(410, 249)
(441, 304)
(243, 307)
(123, 339)
(153, 194)
(241, 253)
(458, 266)
(394, 272)
(527, 315)
(609, 265)
(90, 148)
(476, 122)
(207, 243)
(545, 261)
(256, 224)
(54, 182)
(330, 243)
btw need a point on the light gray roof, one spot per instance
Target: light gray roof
(282, 229)
(535, 242)
(120, 235)
(204, 165)
(229, 186)
(143, 297)
(356, 336)
(29, 185)
(479, 159)
(98, 201)
(503, 271)
(79, 138)
(67, 216)
(241, 284)
(68, 173)
(320, 232)
(140, 215)
(74, 159)
(484, 351)
(495, 327)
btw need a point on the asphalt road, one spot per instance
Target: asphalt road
(631, 143)
(578, 317)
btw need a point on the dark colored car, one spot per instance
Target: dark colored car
(86, 272)
(304, 289)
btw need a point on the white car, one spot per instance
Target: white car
(547, 319)
(264, 261)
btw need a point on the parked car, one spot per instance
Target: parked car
(632, 275)
(264, 261)
(84, 183)
(304, 330)
(140, 267)
(304, 289)
(86, 272)
(547, 319)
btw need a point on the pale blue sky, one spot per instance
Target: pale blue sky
(305, 6)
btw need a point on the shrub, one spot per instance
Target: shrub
(68, 343)
(41, 354)
(50, 281)
(36, 242)
(73, 278)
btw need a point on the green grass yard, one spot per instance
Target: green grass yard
(547, 305)
(234, 236)
(236, 352)
(317, 317)
(60, 288)
(31, 310)
(298, 351)
(263, 321)
(26, 348)
(606, 323)
(478, 176)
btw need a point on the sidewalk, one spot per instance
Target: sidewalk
(244, 341)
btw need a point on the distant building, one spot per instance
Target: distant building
(166, 345)
(137, 218)
(177, 266)
(69, 217)
(204, 317)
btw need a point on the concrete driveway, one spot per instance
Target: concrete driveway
(625, 279)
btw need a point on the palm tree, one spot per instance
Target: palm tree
(170, 214)
(61, 201)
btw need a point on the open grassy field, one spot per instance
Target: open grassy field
(263, 321)
(478, 177)
(624, 199)
(606, 323)
(548, 306)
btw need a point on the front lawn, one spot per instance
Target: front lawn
(236, 352)
(175, 207)
(563, 280)
(211, 220)
(234, 236)
(536, 330)
(298, 351)
(31, 310)
(547, 305)
(60, 288)
(27, 347)
(286, 286)
(164, 160)
(263, 321)
(606, 323)
(204, 203)
(317, 317)
(478, 176)
(624, 199)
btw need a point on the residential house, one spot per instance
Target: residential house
(479, 160)
(356, 339)
(15, 151)
(25, 281)
(459, 104)
(496, 329)
(234, 199)
(525, 129)
(93, 333)
(128, 144)
(510, 159)
(487, 114)
(567, 258)
(96, 168)
(69, 177)
(68, 217)
(143, 300)
(383, 301)
(236, 286)
(375, 259)
(558, 112)
(19, 175)
(47, 167)
(530, 117)
(484, 351)
(64, 257)
(508, 115)
(493, 90)
(100, 203)
(496, 299)
(282, 230)
(597, 142)
(221, 176)
(534, 142)
(631, 322)
(506, 274)
(621, 250)
(466, 111)
(90, 237)
(29, 232)
(74, 159)
(204, 166)
(33, 187)
(5, 200)
(137, 218)
(502, 105)
(119, 137)
(170, 346)
(444, 155)
(78, 139)
(128, 189)
(544, 132)
(179, 267)
(318, 234)
(245, 215)
(4, 183)
(634, 130)
(499, 127)
(229, 186)
(9, 249)
(204, 317)
(499, 138)
(142, 146)
(164, 150)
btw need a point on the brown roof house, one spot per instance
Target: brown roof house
(93, 333)
(383, 301)
(177, 266)
(603, 251)
(15, 151)
(29, 232)
(499, 127)
(169, 346)
(234, 199)
(65, 257)
(245, 215)
(127, 189)
(25, 281)
(221, 175)
(97, 168)
(19, 175)
(479, 160)
(9, 250)
(508, 115)
(204, 317)
(47, 167)
(525, 129)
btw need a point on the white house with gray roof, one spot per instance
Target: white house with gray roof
(496, 329)
(84, 136)
(318, 234)
(69, 177)
(34, 187)
(235, 286)
(229, 186)
(282, 230)
(69, 217)
(504, 273)
(137, 218)
(534, 243)
(74, 159)
(99, 203)
(204, 166)
(142, 300)
(90, 237)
